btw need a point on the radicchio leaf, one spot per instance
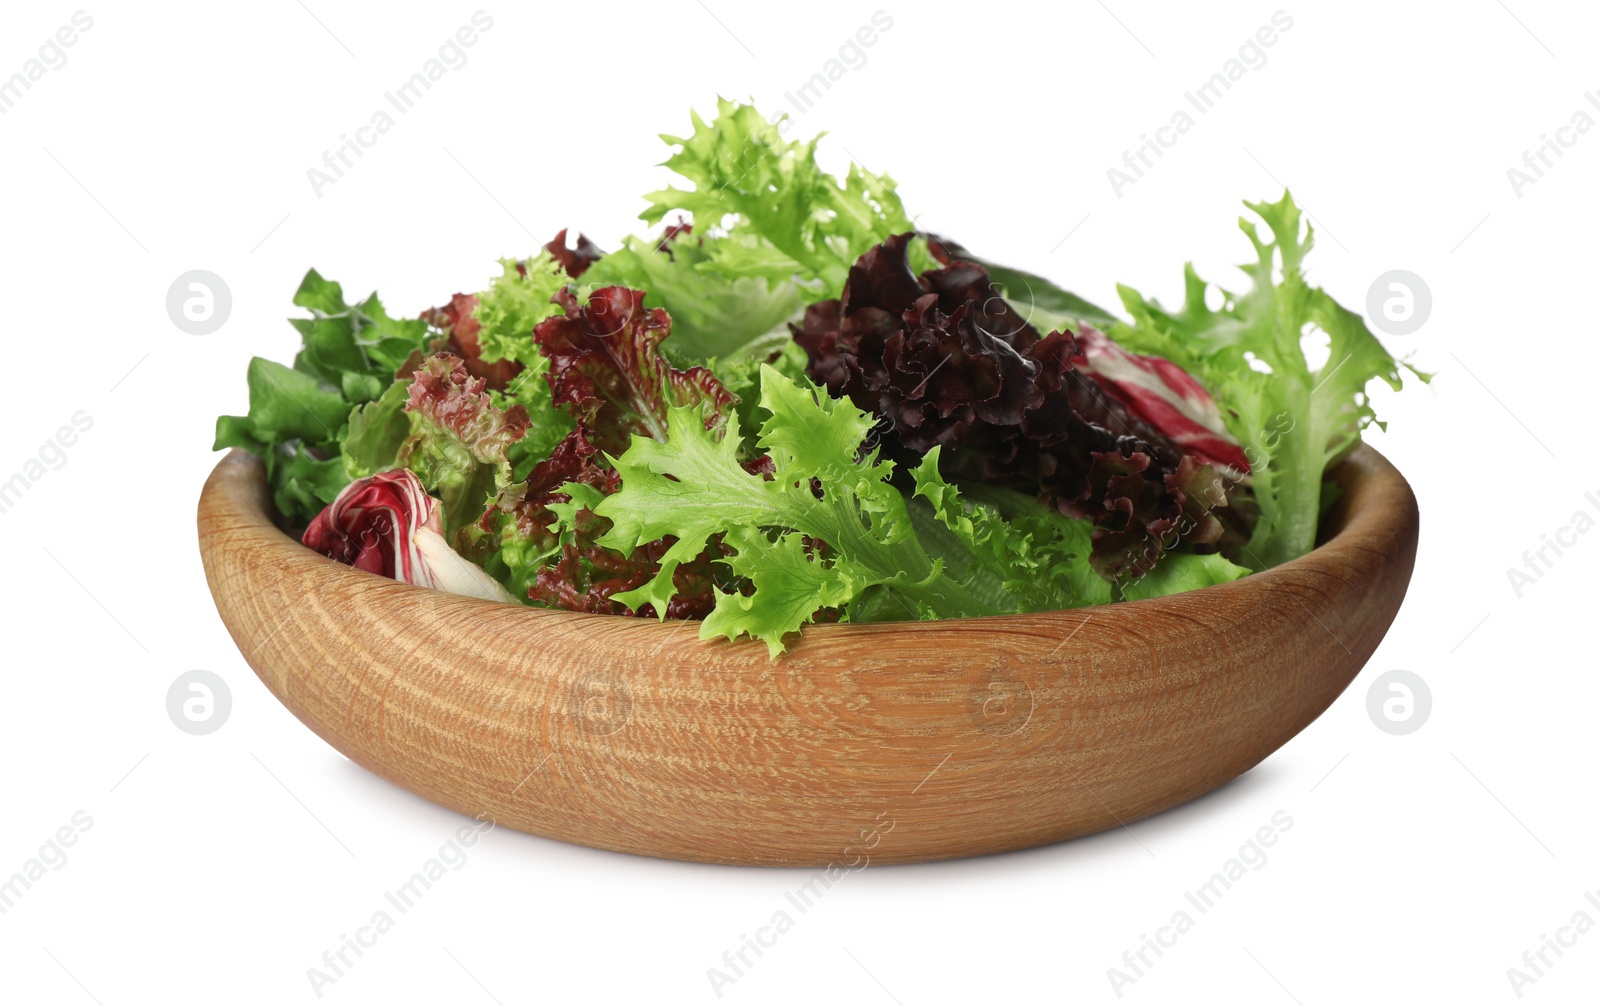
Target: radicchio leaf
(1164, 396)
(389, 525)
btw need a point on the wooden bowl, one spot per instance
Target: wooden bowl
(883, 743)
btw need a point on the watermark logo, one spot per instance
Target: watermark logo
(1003, 704)
(198, 702)
(601, 701)
(1398, 302)
(1399, 702)
(199, 302)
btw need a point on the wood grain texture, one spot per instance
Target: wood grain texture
(971, 736)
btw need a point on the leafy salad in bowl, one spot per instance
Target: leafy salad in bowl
(791, 405)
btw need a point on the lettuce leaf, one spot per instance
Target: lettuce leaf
(602, 363)
(991, 544)
(1061, 575)
(518, 299)
(344, 344)
(521, 297)
(1294, 421)
(290, 405)
(944, 361)
(299, 418)
(771, 232)
(377, 431)
(607, 372)
(460, 441)
(808, 223)
(691, 485)
(492, 332)
(826, 530)
(714, 313)
(302, 483)
(294, 424)
(1181, 571)
(741, 375)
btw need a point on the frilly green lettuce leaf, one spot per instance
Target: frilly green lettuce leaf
(1293, 421)
(816, 535)
(517, 300)
(1038, 556)
(771, 232)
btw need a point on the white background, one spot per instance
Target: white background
(219, 868)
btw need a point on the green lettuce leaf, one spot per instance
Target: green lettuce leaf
(517, 300)
(1293, 421)
(341, 339)
(521, 297)
(376, 432)
(342, 380)
(714, 312)
(1177, 572)
(1061, 574)
(289, 405)
(301, 483)
(741, 375)
(815, 536)
(810, 224)
(294, 424)
(772, 232)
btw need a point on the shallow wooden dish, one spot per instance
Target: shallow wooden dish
(888, 743)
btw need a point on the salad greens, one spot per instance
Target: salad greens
(297, 418)
(791, 406)
(818, 534)
(1294, 421)
(775, 232)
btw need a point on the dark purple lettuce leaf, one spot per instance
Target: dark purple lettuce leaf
(576, 260)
